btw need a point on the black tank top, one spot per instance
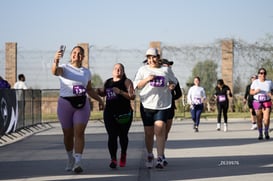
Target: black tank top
(116, 103)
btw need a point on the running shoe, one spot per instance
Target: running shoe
(253, 127)
(150, 161)
(113, 164)
(70, 164)
(218, 128)
(266, 135)
(77, 168)
(165, 163)
(196, 129)
(159, 163)
(122, 161)
(225, 127)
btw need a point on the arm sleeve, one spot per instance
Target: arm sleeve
(247, 91)
(177, 92)
(171, 75)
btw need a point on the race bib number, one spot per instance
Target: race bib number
(197, 100)
(158, 81)
(262, 97)
(79, 90)
(222, 98)
(110, 94)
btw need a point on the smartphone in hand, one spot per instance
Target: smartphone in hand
(62, 49)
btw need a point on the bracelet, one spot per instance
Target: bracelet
(56, 61)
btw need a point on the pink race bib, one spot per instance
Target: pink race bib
(197, 100)
(222, 98)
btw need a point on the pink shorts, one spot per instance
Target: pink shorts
(259, 105)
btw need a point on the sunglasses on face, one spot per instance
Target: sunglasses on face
(262, 73)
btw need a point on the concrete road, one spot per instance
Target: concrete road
(206, 155)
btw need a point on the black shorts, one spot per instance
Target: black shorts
(149, 116)
(250, 105)
(171, 113)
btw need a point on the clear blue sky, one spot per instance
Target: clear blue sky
(44, 24)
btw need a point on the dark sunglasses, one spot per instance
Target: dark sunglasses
(262, 73)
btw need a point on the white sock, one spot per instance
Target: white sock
(78, 157)
(70, 155)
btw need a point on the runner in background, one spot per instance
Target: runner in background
(222, 91)
(261, 89)
(196, 97)
(176, 94)
(248, 98)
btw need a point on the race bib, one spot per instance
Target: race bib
(262, 97)
(110, 94)
(222, 98)
(79, 90)
(158, 81)
(197, 100)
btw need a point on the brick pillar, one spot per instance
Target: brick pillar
(11, 62)
(156, 44)
(85, 46)
(227, 65)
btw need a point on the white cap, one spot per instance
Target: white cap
(152, 51)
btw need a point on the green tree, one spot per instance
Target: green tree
(265, 59)
(96, 81)
(206, 70)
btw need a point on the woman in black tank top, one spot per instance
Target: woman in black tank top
(118, 113)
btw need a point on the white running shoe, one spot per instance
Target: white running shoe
(159, 163)
(218, 128)
(225, 127)
(253, 127)
(70, 164)
(77, 168)
(150, 162)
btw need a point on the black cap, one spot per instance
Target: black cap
(165, 61)
(145, 61)
(254, 76)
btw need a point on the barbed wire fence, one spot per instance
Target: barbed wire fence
(36, 64)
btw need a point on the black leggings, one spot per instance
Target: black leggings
(222, 107)
(114, 131)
